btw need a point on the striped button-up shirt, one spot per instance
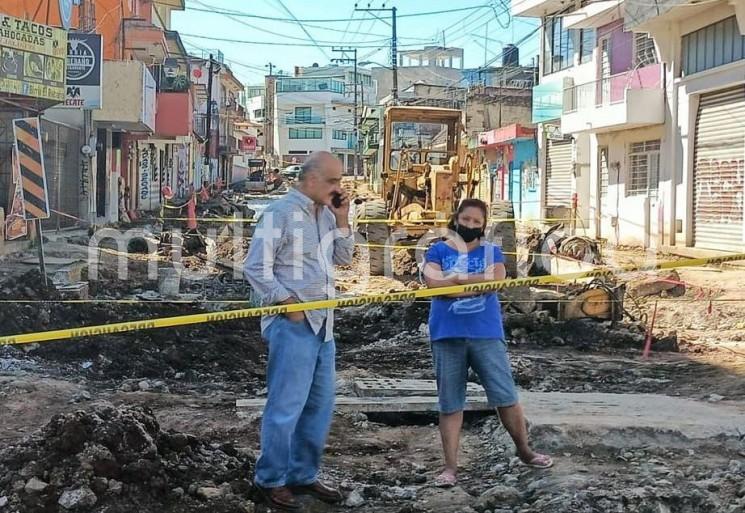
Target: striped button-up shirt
(292, 254)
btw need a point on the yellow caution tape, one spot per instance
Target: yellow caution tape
(369, 221)
(200, 318)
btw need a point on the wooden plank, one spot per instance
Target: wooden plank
(391, 387)
(414, 404)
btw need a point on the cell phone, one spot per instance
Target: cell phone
(336, 200)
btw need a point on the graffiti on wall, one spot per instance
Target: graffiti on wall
(85, 167)
(144, 174)
(725, 194)
(181, 174)
(529, 176)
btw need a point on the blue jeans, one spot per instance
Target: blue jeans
(488, 357)
(300, 404)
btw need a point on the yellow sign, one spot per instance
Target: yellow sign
(32, 59)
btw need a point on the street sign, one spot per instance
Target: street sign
(84, 71)
(32, 59)
(28, 149)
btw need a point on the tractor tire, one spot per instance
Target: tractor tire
(374, 233)
(502, 233)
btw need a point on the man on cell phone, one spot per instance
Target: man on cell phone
(291, 259)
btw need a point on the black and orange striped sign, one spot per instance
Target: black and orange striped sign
(31, 163)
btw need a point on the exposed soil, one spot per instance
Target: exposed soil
(146, 420)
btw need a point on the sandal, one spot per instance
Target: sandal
(446, 480)
(539, 461)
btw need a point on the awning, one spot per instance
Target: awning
(595, 15)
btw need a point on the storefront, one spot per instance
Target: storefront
(511, 155)
(719, 170)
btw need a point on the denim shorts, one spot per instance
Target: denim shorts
(487, 357)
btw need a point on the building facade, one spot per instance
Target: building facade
(703, 48)
(600, 112)
(312, 114)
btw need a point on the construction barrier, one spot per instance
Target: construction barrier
(374, 221)
(200, 318)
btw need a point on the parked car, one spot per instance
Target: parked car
(291, 172)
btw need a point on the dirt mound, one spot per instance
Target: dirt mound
(29, 285)
(119, 460)
(228, 351)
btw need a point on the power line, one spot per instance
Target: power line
(277, 43)
(280, 2)
(339, 20)
(237, 20)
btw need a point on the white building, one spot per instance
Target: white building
(703, 155)
(313, 114)
(253, 100)
(640, 111)
(600, 112)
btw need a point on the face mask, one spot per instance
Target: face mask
(469, 234)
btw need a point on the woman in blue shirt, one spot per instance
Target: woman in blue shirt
(466, 331)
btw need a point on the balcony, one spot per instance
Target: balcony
(371, 143)
(175, 114)
(304, 120)
(146, 41)
(628, 100)
(536, 8)
(309, 85)
(200, 126)
(130, 97)
(639, 17)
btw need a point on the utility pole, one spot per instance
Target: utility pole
(271, 68)
(394, 47)
(344, 60)
(208, 142)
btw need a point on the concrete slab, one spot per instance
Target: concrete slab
(694, 419)
(389, 387)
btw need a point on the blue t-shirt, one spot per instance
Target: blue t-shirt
(477, 317)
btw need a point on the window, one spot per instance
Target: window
(644, 50)
(259, 113)
(587, 39)
(306, 133)
(302, 114)
(712, 46)
(559, 52)
(644, 168)
(340, 135)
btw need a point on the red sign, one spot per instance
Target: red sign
(248, 143)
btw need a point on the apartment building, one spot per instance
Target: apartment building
(703, 47)
(600, 112)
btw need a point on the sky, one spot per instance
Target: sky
(488, 25)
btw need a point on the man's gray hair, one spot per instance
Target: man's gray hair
(313, 163)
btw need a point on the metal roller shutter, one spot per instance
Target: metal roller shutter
(559, 173)
(719, 166)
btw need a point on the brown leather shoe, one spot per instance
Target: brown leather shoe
(280, 498)
(320, 491)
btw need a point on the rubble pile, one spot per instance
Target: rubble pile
(119, 460)
(229, 351)
(29, 285)
(624, 471)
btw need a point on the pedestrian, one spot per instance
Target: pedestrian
(296, 243)
(204, 193)
(466, 332)
(274, 180)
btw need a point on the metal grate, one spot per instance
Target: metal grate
(645, 52)
(644, 168)
(603, 156)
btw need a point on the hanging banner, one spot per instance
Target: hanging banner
(30, 155)
(84, 71)
(32, 59)
(15, 223)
